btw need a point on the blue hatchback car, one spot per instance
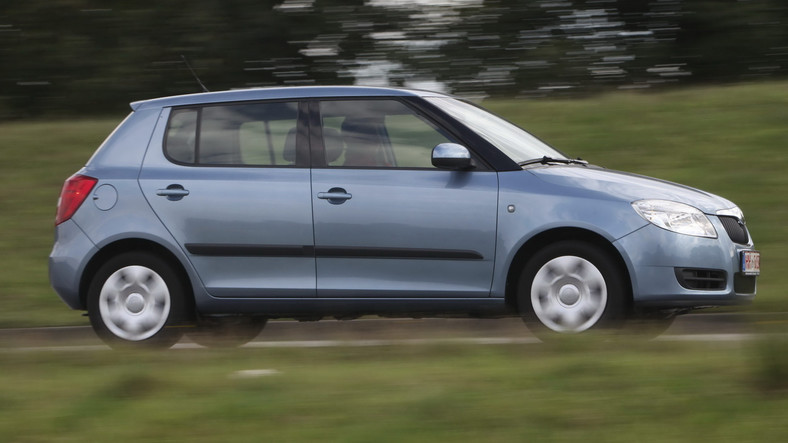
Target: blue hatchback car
(212, 213)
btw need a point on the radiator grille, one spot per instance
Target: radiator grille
(736, 230)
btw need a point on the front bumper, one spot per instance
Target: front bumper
(654, 255)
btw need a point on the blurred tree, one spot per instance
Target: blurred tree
(65, 56)
(726, 41)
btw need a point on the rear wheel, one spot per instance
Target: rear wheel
(137, 299)
(571, 287)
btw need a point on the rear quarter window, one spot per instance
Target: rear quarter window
(181, 135)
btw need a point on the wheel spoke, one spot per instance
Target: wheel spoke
(560, 267)
(138, 325)
(158, 292)
(572, 319)
(587, 309)
(581, 268)
(116, 284)
(134, 274)
(146, 323)
(553, 310)
(117, 317)
(112, 299)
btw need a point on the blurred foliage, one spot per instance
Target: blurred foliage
(65, 56)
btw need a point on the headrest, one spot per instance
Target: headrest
(332, 142)
(289, 152)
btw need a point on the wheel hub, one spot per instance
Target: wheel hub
(135, 303)
(569, 295)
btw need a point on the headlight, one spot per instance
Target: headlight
(675, 217)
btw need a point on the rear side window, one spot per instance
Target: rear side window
(258, 134)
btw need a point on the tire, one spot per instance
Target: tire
(138, 299)
(571, 287)
(226, 332)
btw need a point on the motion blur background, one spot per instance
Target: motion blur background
(66, 56)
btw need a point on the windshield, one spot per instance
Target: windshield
(509, 138)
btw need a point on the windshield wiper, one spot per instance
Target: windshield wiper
(547, 160)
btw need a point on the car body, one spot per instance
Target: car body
(217, 208)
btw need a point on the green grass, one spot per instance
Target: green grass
(576, 391)
(727, 140)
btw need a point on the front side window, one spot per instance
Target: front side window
(258, 134)
(377, 133)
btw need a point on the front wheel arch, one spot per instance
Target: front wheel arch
(538, 242)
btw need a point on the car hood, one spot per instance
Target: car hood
(627, 186)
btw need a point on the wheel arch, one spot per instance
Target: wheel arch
(539, 241)
(126, 245)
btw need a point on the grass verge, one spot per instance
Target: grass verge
(575, 391)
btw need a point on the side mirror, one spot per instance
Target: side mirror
(451, 156)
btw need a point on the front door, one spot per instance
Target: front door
(389, 224)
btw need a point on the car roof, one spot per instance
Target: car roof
(294, 92)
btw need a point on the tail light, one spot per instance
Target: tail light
(75, 191)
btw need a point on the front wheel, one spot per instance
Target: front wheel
(136, 298)
(571, 287)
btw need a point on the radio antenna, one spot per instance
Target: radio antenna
(186, 62)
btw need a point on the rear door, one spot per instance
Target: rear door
(231, 183)
(388, 223)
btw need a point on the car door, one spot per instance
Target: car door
(231, 183)
(387, 223)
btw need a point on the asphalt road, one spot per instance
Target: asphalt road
(377, 332)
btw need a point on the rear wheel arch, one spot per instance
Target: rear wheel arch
(538, 242)
(130, 245)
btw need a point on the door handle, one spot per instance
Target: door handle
(335, 196)
(173, 192)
